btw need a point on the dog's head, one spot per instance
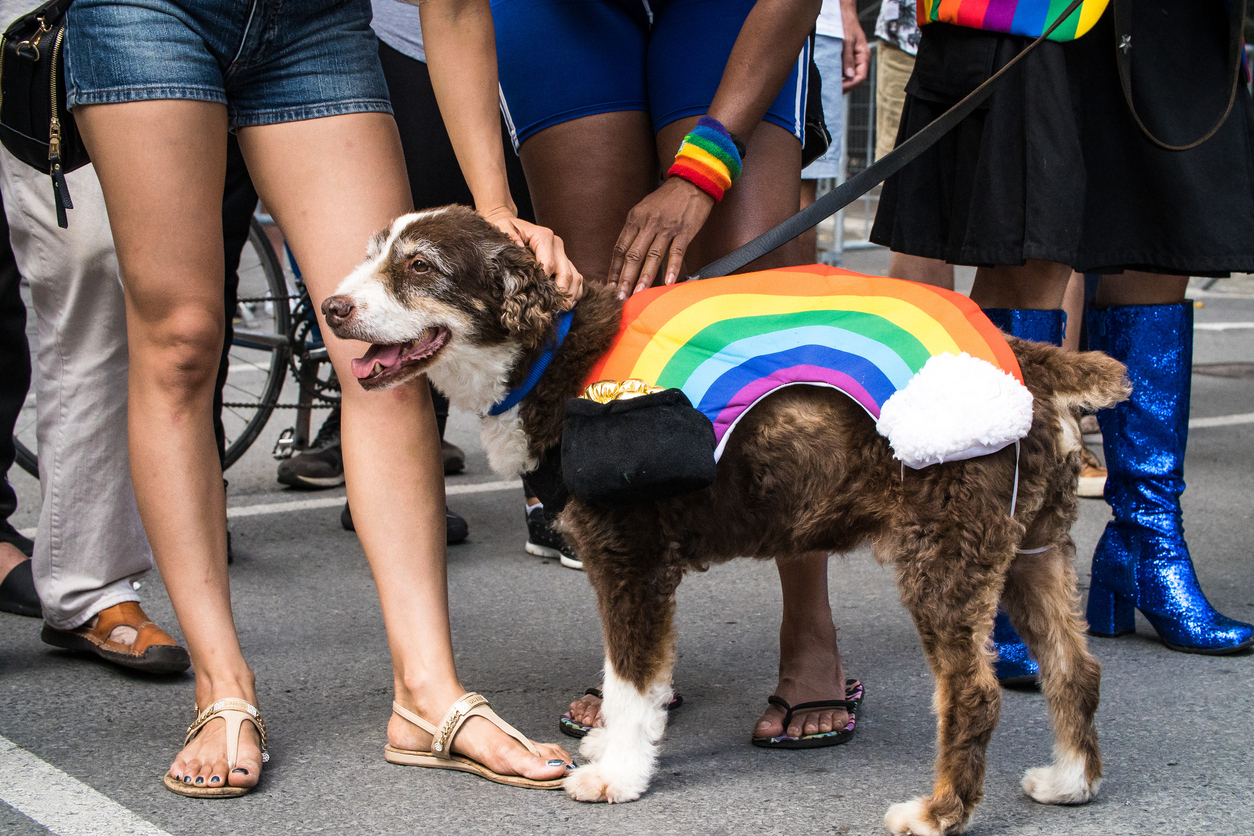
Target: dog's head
(436, 283)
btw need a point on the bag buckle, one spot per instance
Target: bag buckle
(30, 48)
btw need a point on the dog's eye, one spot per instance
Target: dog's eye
(419, 266)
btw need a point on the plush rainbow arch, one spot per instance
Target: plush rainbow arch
(729, 342)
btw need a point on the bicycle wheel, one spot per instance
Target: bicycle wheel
(260, 347)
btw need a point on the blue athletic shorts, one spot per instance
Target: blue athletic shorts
(268, 61)
(563, 59)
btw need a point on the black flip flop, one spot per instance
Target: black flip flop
(835, 737)
(570, 728)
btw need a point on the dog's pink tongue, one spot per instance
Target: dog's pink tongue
(385, 355)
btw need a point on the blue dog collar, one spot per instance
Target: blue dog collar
(537, 368)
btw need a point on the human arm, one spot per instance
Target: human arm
(856, 55)
(660, 228)
(460, 44)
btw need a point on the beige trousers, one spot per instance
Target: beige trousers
(893, 68)
(90, 545)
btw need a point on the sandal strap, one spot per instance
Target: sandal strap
(234, 712)
(457, 714)
(466, 706)
(594, 692)
(789, 710)
(413, 718)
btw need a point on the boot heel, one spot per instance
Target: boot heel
(1109, 613)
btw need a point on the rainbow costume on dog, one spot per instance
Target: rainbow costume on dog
(937, 376)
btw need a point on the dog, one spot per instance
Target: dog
(445, 293)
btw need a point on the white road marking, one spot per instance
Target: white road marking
(1222, 326)
(335, 501)
(64, 805)
(1222, 421)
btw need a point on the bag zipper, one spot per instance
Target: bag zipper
(60, 190)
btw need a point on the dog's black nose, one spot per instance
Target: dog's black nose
(337, 310)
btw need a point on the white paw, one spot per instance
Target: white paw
(593, 745)
(908, 819)
(1063, 782)
(595, 783)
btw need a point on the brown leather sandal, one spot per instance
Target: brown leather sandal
(441, 756)
(235, 712)
(153, 651)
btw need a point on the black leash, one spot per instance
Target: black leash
(852, 189)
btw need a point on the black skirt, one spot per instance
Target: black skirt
(1054, 166)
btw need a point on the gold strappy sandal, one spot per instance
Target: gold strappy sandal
(235, 712)
(441, 756)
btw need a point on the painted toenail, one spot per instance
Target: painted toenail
(554, 762)
(241, 770)
(187, 779)
(571, 766)
(215, 779)
(200, 780)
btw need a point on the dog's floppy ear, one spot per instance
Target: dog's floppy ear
(1083, 380)
(531, 297)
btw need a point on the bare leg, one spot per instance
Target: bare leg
(1073, 304)
(329, 198)
(809, 240)
(809, 661)
(585, 176)
(1135, 288)
(1036, 285)
(10, 558)
(167, 230)
(767, 193)
(913, 268)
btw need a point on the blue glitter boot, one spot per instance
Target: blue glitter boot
(1015, 665)
(1142, 561)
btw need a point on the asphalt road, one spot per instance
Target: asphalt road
(83, 745)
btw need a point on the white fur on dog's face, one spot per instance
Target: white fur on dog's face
(410, 292)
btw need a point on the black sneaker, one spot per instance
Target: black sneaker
(543, 541)
(454, 458)
(321, 465)
(455, 528)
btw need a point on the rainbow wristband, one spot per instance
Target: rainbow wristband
(708, 158)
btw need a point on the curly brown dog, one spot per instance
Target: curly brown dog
(443, 292)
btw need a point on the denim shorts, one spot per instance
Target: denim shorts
(560, 60)
(268, 61)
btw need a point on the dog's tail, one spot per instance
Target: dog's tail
(1076, 380)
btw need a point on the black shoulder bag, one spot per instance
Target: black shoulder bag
(34, 124)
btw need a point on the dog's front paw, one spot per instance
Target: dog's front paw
(594, 782)
(1064, 782)
(593, 745)
(914, 818)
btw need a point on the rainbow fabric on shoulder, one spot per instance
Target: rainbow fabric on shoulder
(1028, 18)
(925, 363)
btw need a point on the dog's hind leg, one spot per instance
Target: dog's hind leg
(637, 613)
(950, 589)
(1040, 598)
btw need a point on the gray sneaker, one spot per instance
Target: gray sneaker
(321, 465)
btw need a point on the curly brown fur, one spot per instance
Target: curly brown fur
(805, 471)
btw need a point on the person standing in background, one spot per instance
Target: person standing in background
(838, 72)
